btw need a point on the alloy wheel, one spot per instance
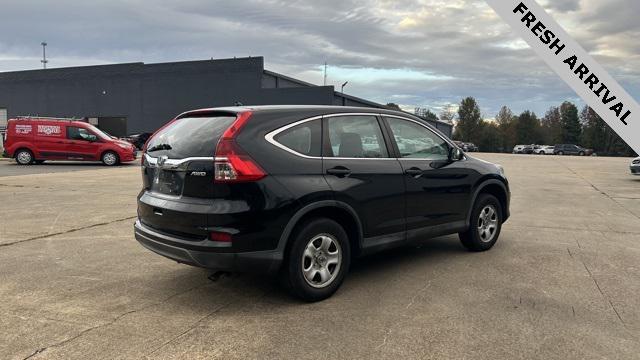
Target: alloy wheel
(487, 223)
(321, 260)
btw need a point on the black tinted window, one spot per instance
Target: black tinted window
(190, 137)
(356, 137)
(303, 139)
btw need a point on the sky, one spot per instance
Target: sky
(417, 53)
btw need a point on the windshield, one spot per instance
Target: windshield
(101, 134)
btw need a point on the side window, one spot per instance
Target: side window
(304, 139)
(76, 133)
(416, 141)
(353, 136)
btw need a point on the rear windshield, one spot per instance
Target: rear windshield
(189, 137)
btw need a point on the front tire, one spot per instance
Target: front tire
(581, 153)
(486, 223)
(24, 157)
(110, 158)
(318, 260)
(560, 153)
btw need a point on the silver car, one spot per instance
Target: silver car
(635, 166)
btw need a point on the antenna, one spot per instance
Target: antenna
(325, 73)
(44, 60)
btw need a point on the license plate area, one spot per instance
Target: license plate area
(168, 181)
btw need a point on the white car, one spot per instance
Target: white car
(635, 166)
(518, 149)
(544, 150)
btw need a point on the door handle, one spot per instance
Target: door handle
(414, 171)
(339, 171)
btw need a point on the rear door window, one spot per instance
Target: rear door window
(304, 139)
(352, 136)
(190, 137)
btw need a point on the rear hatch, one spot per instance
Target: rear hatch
(178, 175)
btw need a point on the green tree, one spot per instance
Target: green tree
(505, 129)
(597, 135)
(469, 120)
(552, 126)
(570, 123)
(527, 128)
(394, 106)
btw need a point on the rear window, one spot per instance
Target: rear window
(189, 137)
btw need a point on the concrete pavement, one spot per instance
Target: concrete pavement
(562, 282)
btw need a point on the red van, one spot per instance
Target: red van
(34, 140)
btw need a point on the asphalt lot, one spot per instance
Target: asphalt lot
(563, 281)
(8, 167)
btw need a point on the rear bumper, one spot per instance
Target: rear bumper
(206, 257)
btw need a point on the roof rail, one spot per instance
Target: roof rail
(29, 117)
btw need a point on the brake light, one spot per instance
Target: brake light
(220, 236)
(231, 163)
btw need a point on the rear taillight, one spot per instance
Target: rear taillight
(232, 164)
(219, 236)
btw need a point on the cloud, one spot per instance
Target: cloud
(416, 52)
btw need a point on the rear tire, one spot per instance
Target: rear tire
(560, 153)
(24, 157)
(110, 158)
(581, 153)
(485, 224)
(317, 261)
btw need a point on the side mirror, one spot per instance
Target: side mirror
(455, 154)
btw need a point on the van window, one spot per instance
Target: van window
(304, 139)
(355, 137)
(78, 133)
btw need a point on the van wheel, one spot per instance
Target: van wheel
(24, 157)
(110, 158)
(486, 223)
(318, 260)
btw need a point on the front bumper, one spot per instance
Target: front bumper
(201, 255)
(635, 169)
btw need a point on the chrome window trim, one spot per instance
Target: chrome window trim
(269, 137)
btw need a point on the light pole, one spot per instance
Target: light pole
(343, 85)
(44, 60)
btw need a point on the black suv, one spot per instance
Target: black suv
(302, 190)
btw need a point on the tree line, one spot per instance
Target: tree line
(563, 124)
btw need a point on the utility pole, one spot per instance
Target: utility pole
(44, 60)
(325, 74)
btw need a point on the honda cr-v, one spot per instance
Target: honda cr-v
(300, 191)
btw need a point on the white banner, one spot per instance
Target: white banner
(574, 65)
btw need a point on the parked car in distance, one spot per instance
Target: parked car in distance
(544, 150)
(462, 145)
(472, 147)
(32, 140)
(571, 149)
(519, 149)
(635, 166)
(138, 140)
(262, 189)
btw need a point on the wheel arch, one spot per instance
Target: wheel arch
(496, 188)
(337, 211)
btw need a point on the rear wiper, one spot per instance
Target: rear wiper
(159, 147)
